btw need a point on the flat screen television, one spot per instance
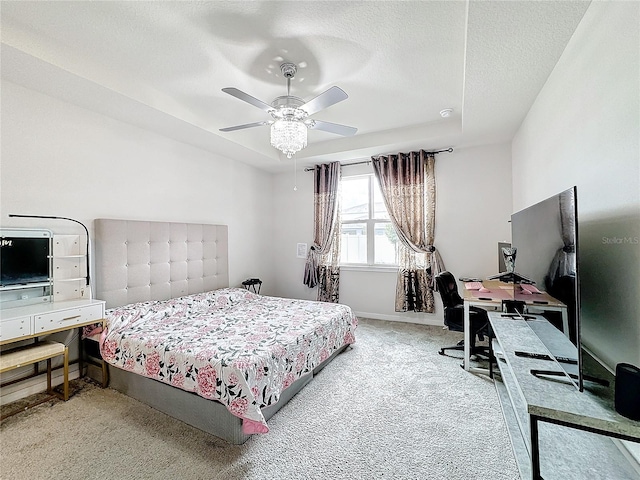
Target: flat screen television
(24, 258)
(546, 238)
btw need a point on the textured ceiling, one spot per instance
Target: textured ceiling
(162, 65)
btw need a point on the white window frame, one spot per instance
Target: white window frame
(370, 227)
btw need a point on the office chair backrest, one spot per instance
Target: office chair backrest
(448, 289)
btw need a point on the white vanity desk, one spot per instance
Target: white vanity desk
(31, 321)
(557, 432)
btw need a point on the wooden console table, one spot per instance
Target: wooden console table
(557, 432)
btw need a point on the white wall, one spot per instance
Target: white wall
(473, 208)
(60, 159)
(584, 130)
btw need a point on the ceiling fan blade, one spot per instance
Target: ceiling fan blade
(246, 125)
(324, 100)
(334, 128)
(248, 98)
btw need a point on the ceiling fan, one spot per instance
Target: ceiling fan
(290, 115)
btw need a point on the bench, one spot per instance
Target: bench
(34, 353)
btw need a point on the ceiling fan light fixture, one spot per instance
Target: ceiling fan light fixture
(289, 136)
(289, 113)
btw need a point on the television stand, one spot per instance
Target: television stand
(556, 373)
(547, 419)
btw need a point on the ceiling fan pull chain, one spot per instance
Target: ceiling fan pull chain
(295, 174)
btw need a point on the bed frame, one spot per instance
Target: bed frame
(138, 261)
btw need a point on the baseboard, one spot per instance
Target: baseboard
(402, 317)
(34, 385)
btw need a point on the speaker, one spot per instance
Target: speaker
(627, 397)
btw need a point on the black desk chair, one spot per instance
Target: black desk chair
(454, 316)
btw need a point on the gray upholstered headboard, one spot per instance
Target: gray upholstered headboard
(138, 261)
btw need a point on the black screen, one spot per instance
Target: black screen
(23, 260)
(546, 236)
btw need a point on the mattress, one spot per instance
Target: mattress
(229, 345)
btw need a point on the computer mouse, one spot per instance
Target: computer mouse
(484, 290)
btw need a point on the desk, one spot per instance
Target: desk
(499, 291)
(33, 321)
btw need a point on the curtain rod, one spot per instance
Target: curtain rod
(311, 169)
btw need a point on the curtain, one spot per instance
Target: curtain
(407, 182)
(564, 261)
(322, 266)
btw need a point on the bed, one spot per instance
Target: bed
(179, 339)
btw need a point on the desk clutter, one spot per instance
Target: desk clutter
(497, 290)
(524, 288)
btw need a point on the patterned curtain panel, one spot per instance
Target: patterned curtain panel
(408, 185)
(564, 261)
(322, 267)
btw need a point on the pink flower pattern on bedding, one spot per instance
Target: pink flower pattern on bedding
(228, 345)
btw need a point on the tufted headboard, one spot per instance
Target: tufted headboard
(137, 261)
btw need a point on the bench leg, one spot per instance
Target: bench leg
(49, 389)
(66, 374)
(105, 374)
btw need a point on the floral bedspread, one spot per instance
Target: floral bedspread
(229, 345)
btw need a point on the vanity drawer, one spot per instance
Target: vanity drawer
(15, 328)
(67, 318)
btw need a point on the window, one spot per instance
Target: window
(367, 236)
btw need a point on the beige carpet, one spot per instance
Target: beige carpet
(390, 407)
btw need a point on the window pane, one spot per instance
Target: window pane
(355, 199)
(380, 212)
(386, 244)
(353, 243)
